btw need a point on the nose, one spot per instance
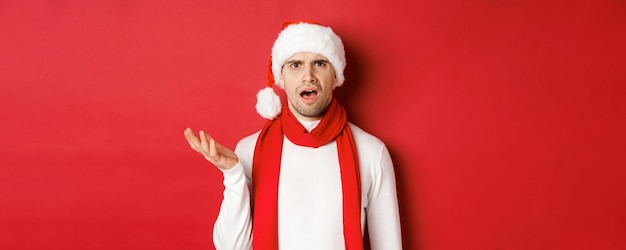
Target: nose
(308, 76)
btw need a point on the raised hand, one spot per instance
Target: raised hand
(222, 157)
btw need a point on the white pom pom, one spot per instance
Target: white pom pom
(268, 103)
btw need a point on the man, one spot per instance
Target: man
(309, 179)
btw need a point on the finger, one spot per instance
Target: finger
(212, 148)
(204, 144)
(193, 141)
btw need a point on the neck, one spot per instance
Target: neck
(302, 117)
(309, 125)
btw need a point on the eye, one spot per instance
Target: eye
(294, 65)
(320, 63)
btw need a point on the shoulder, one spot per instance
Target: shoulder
(249, 141)
(372, 152)
(245, 151)
(246, 145)
(365, 141)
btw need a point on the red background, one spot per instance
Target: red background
(505, 119)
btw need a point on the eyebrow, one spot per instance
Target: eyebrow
(293, 61)
(321, 61)
(302, 62)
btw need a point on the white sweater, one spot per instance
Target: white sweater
(310, 197)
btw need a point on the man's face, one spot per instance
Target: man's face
(308, 80)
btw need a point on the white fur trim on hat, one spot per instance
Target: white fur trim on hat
(268, 103)
(313, 38)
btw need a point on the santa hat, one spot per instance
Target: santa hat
(299, 37)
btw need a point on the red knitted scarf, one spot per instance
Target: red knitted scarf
(266, 171)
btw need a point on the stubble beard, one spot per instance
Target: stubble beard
(316, 109)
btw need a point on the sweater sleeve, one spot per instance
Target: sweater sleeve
(383, 218)
(233, 227)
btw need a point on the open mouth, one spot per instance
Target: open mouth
(309, 93)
